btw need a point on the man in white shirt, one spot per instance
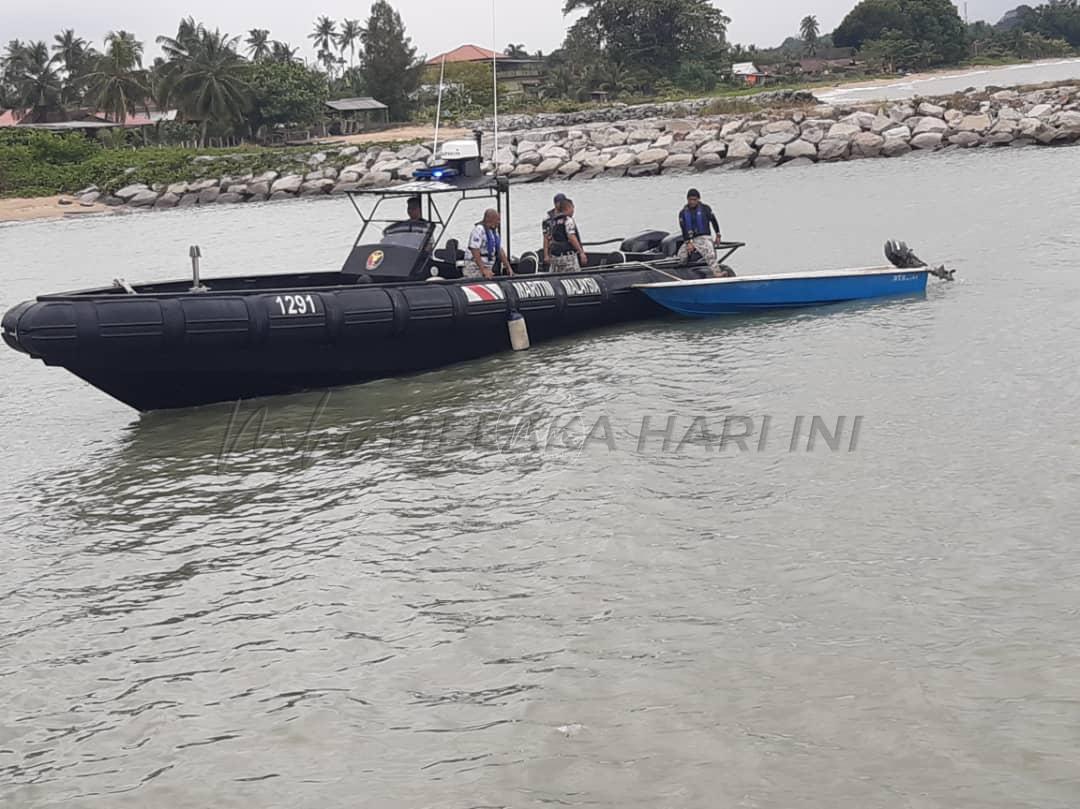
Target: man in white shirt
(485, 248)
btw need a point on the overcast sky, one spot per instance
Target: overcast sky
(434, 25)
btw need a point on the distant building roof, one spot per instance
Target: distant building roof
(745, 69)
(356, 104)
(466, 53)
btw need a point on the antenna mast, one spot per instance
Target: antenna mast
(438, 106)
(495, 86)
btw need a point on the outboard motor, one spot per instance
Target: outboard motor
(647, 241)
(903, 258)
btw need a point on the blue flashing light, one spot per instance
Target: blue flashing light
(436, 173)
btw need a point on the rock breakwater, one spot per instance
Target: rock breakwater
(565, 148)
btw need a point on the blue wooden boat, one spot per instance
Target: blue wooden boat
(757, 293)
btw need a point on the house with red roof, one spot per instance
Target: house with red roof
(517, 76)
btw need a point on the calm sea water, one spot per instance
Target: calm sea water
(1007, 76)
(404, 599)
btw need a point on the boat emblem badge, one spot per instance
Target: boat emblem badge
(375, 260)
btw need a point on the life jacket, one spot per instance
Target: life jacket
(560, 239)
(696, 221)
(494, 244)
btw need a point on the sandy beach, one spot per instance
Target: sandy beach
(22, 210)
(401, 134)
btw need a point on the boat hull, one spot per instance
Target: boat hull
(172, 350)
(730, 296)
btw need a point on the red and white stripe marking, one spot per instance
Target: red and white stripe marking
(484, 293)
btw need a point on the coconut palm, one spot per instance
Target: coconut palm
(323, 37)
(258, 42)
(72, 52)
(117, 84)
(351, 31)
(188, 34)
(34, 79)
(516, 51)
(283, 53)
(810, 30)
(207, 83)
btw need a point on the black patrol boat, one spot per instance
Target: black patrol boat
(396, 307)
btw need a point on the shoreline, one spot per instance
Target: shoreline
(641, 141)
(32, 209)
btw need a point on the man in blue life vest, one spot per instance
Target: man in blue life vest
(698, 222)
(563, 251)
(485, 248)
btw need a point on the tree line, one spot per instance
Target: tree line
(219, 83)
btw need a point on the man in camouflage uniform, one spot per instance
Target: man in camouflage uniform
(564, 252)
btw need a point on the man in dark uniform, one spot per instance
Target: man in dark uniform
(697, 222)
(564, 251)
(546, 226)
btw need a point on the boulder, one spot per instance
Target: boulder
(863, 120)
(276, 195)
(664, 141)
(529, 159)
(129, 192)
(643, 170)
(144, 199)
(589, 174)
(376, 179)
(953, 117)
(240, 189)
(642, 135)
(677, 162)
(682, 147)
(1009, 114)
(927, 140)
(740, 151)
(188, 200)
(1041, 111)
(112, 202)
(609, 137)
(209, 195)
(769, 155)
(552, 150)
(867, 144)
(549, 166)
(621, 161)
(930, 125)
(179, 189)
(1067, 121)
(569, 169)
(90, 189)
(266, 177)
(317, 159)
(895, 147)
(901, 112)
(881, 123)
(202, 185)
(290, 184)
(965, 140)
(777, 138)
(1047, 135)
(813, 134)
(700, 136)
(798, 161)
(973, 123)
(800, 149)
(1031, 127)
(931, 110)
(89, 197)
(717, 147)
(522, 169)
(418, 153)
(897, 133)
(731, 128)
(653, 156)
(709, 161)
(167, 200)
(842, 131)
(230, 199)
(349, 151)
(833, 149)
(780, 128)
(1006, 95)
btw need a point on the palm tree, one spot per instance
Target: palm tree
(258, 43)
(283, 53)
(323, 36)
(71, 50)
(810, 30)
(351, 31)
(188, 34)
(208, 83)
(516, 51)
(34, 79)
(118, 84)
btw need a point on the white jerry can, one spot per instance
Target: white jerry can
(519, 331)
